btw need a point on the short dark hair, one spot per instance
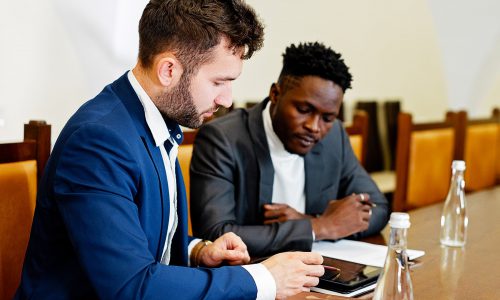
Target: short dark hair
(191, 28)
(315, 59)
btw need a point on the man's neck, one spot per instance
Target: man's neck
(144, 78)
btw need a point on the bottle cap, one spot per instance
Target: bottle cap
(458, 165)
(399, 220)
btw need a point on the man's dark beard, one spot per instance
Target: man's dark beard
(178, 104)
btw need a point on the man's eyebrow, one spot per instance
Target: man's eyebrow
(225, 78)
(314, 107)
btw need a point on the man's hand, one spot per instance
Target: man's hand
(228, 248)
(294, 272)
(280, 212)
(343, 217)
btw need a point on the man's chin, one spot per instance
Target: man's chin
(191, 123)
(298, 150)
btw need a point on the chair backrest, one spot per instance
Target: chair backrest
(21, 164)
(496, 115)
(358, 134)
(184, 157)
(374, 160)
(480, 151)
(424, 154)
(391, 112)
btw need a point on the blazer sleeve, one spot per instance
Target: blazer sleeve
(96, 181)
(221, 200)
(355, 179)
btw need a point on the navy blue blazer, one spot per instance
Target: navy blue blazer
(102, 214)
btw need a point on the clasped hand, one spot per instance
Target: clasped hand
(228, 248)
(280, 212)
(341, 218)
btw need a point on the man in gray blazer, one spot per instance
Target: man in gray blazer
(283, 174)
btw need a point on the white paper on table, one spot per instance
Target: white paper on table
(358, 252)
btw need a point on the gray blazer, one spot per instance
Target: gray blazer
(232, 177)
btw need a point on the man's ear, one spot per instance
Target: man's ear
(169, 70)
(274, 92)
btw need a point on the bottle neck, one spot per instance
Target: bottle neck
(397, 238)
(457, 174)
(457, 180)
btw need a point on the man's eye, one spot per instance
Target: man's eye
(328, 119)
(303, 110)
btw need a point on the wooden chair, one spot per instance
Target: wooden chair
(374, 160)
(358, 134)
(424, 154)
(391, 112)
(480, 151)
(184, 157)
(496, 115)
(21, 165)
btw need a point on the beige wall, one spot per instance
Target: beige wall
(433, 55)
(390, 46)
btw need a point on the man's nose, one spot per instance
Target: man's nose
(225, 98)
(312, 123)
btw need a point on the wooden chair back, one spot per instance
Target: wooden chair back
(481, 152)
(184, 156)
(358, 135)
(374, 160)
(21, 165)
(496, 116)
(424, 154)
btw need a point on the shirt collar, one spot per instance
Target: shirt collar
(161, 128)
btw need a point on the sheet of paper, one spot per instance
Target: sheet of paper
(358, 252)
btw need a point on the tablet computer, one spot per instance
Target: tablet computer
(346, 277)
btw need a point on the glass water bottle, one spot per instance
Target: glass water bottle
(394, 282)
(454, 217)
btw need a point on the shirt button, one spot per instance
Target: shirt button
(178, 136)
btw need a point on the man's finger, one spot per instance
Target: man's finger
(315, 270)
(275, 206)
(272, 213)
(311, 281)
(309, 258)
(232, 255)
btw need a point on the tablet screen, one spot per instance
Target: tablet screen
(345, 276)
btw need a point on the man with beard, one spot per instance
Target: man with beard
(283, 173)
(110, 220)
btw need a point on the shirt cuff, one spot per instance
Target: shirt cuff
(264, 280)
(190, 248)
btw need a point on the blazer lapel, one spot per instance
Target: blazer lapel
(314, 168)
(258, 136)
(126, 93)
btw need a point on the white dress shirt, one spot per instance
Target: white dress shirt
(287, 189)
(266, 286)
(289, 173)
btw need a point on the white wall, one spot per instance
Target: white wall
(433, 55)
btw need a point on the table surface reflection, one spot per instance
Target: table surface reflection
(471, 272)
